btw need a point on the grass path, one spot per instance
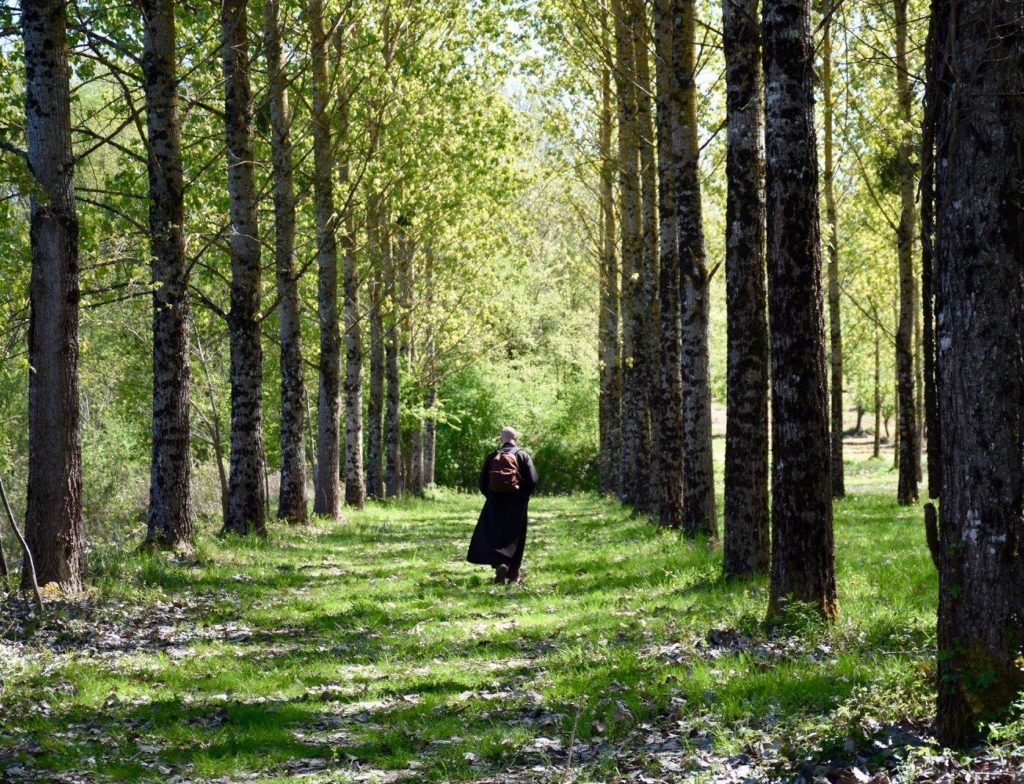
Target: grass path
(370, 651)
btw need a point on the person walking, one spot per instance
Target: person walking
(507, 481)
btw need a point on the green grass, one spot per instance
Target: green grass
(370, 648)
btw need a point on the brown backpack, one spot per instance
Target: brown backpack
(504, 476)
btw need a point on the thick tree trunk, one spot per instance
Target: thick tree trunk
(169, 521)
(328, 463)
(668, 417)
(53, 526)
(291, 501)
(647, 351)
(906, 492)
(355, 487)
(633, 485)
(699, 513)
(375, 408)
(610, 407)
(392, 250)
(747, 538)
(980, 261)
(803, 563)
(247, 486)
(834, 315)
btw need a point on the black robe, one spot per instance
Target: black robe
(500, 533)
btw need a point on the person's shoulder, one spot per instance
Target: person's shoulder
(523, 453)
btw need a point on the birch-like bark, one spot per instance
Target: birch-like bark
(246, 482)
(393, 248)
(610, 407)
(430, 440)
(803, 563)
(747, 540)
(668, 417)
(906, 492)
(53, 525)
(328, 462)
(633, 484)
(832, 220)
(430, 421)
(980, 261)
(169, 520)
(699, 513)
(355, 486)
(375, 407)
(291, 500)
(646, 353)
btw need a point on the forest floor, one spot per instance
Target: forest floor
(370, 651)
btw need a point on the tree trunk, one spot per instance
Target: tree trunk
(803, 563)
(896, 430)
(375, 409)
(906, 493)
(169, 521)
(53, 526)
(633, 485)
(699, 513)
(430, 422)
(668, 417)
(355, 487)
(328, 463)
(646, 355)
(430, 439)
(980, 261)
(392, 351)
(246, 502)
(860, 419)
(832, 219)
(929, 300)
(610, 412)
(878, 396)
(291, 501)
(918, 379)
(747, 537)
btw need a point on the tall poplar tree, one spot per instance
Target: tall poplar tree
(53, 524)
(909, 449)
(803, 562)
(291, 503)
(835, 324)
(328, 488)
(375, 407)
(610, 406)
(668, 418)
(246, 482)
(169, 519)
(355, 486)
(633, 484)
(977, 48)
(699, 514)
(747, 539)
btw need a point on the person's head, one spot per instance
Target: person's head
(509, 435)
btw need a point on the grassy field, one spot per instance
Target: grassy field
(370, 651)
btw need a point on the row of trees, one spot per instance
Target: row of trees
(364, 149)
(958, 330)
